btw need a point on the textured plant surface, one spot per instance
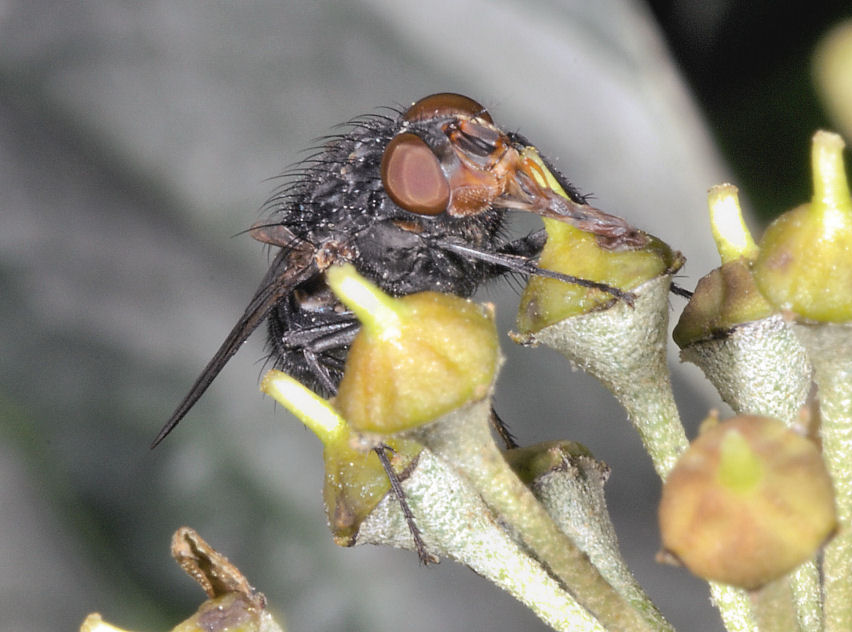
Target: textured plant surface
(760, 505)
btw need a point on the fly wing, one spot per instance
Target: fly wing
(292, 266)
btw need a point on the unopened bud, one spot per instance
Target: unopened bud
(748, 502)
(416, 357)
(805, 261)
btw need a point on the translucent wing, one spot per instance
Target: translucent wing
(293, 265)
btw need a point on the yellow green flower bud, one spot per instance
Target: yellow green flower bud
(723, 299)
(416, 357)
(805, 260)
(832, 72)
(574, 252)
(728, 296)
(748, 502)
(355, 481)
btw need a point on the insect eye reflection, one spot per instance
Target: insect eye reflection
(413, 177)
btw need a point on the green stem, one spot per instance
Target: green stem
(455, 523)
(807, 596)
(463, 440)
(571, 488)
(734, 607)
(625, 348)
(829, 346)
(773, 607)
(759, 368)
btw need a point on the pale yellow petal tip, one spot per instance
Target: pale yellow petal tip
(542, 174)
(378, 312)
(829, 139)
(831, 186)
(732, 236)
(94, 623)
(311, 409)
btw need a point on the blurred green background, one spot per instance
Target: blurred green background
(137, 137)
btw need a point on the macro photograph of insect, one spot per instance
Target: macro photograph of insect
(200, 201)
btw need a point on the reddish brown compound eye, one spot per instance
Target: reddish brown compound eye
(445, 104)
(413, 177)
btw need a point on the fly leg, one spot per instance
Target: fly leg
(502, 430)
(526, 265)
(426, 558)
(321, 348)
(531, 245)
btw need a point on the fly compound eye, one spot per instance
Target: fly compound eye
(412, 176)
(445, 104)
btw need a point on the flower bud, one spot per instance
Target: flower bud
(805, 260)
(416, 357)
(723, 299)
(832, 71)
(537, 461)
(230, 612)
(569, 482)
(729, 329)
(748, 502)
(355, 480)
(727, 296)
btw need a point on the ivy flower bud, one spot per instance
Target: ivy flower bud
(728, 296)
(416, 357)
(832, 71)
(569, 482)
(805, 260)
(747, 503)
(729, 329)
(574, 252)
(355, 481)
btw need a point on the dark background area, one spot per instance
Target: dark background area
(136, 138)
(748, 66)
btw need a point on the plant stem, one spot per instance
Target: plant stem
(625, 348)
(807, 596)
(455, 523)
(734, 607)
(572, 492)
(773, 607)
(829, 346)
(758, 368)
(463, 440)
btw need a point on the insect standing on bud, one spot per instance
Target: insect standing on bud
(416, 201)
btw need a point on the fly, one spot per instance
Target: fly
(416, 201)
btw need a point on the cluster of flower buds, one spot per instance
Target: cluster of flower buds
(420, 375)
(773, 320)
(410, 460)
